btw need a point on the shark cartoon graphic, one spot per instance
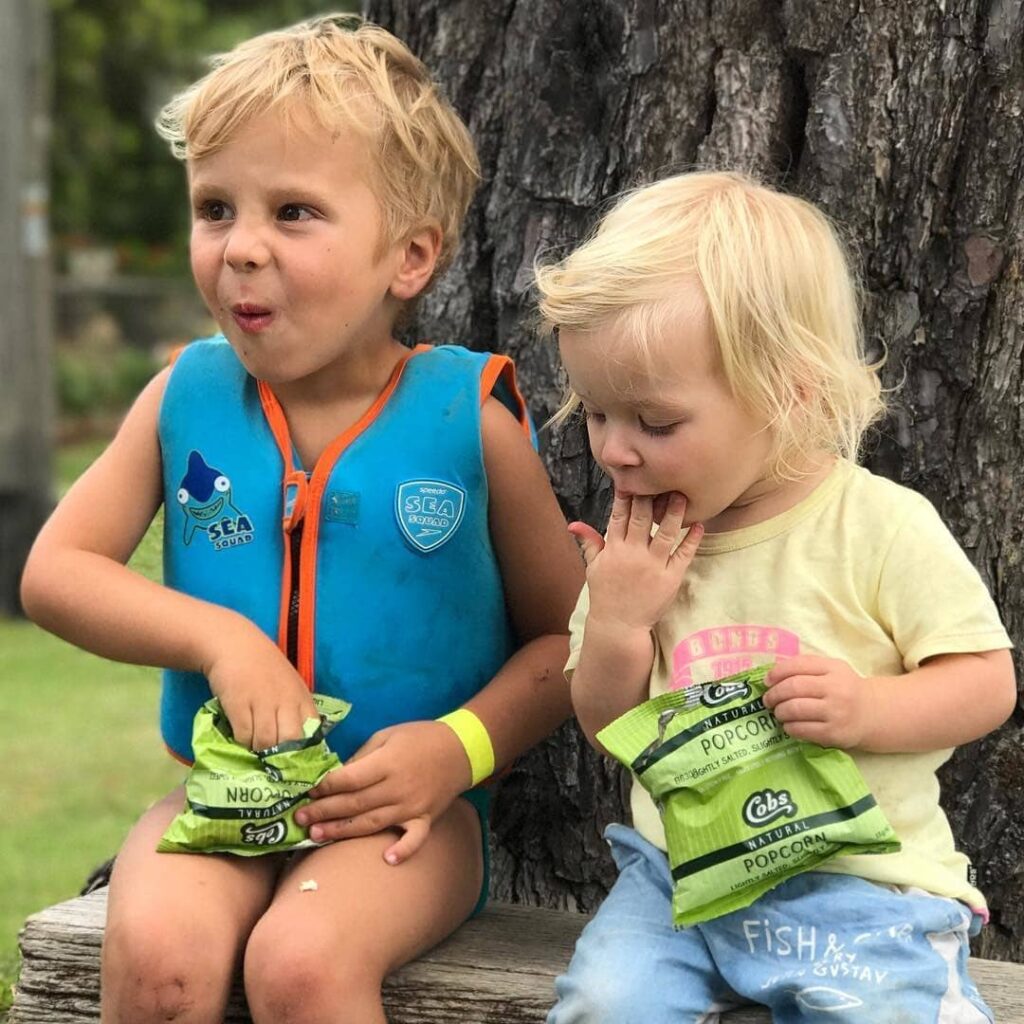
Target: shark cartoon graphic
(205, 496)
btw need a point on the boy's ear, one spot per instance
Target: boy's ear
(417, 258)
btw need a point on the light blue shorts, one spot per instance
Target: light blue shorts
(834, 949)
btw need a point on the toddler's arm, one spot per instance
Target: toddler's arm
(633, 577)
(76, 585)
(951, 699)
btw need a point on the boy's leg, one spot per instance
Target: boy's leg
(630, 965)
(320, 955)
(837, 949)
(176, 925)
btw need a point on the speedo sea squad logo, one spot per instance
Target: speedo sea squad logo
(767, 805)
(429, 512)
(204, 495)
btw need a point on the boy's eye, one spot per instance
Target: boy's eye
(593, 415)
(660, 431)
(214, 210)
(294, 212)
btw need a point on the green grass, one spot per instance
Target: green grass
(82, 756)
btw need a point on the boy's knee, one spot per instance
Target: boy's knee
(302, 978)
(148, 976)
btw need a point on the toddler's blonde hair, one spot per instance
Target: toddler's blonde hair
(781, 297)
(349, 75)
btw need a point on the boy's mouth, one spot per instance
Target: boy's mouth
(250, 317)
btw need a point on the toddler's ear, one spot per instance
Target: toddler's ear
(417, 258)
(806, 392)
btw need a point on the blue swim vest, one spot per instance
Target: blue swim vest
(374, 571)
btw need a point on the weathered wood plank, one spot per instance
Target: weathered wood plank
(497, 969)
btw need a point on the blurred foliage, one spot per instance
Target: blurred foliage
(89, 382)
(115, 63)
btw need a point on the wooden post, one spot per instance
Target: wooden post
(26, 386)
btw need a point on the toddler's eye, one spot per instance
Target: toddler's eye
(593, 415)
(182, 496)
(222, 483)
(294, 212)
(213, 210)
(662, 431)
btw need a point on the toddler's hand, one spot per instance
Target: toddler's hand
(264, 698)
(633, 576)
(821, 700)
(403, 777)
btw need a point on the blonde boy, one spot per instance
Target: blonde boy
(342, 514)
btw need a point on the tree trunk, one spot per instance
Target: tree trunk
(904, 122)
(26, 404)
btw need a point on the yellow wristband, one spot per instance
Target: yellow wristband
(475, 740)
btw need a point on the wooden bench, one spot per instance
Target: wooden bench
(497, 969)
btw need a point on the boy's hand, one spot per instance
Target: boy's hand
(264, 698)
(403, 777)
(633, 577)
(821, 700)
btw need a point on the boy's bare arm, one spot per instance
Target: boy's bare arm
(951, 699)
(542, 574)
(76, 585)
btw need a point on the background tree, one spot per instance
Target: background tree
(904, 122)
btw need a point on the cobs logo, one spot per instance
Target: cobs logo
(429, 512)
(767, 805)
(714, 695)
(264, 835)
(204, 495)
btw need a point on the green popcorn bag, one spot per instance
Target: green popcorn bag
(242, 801)
(744, 805)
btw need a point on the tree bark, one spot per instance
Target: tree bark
(905, 123)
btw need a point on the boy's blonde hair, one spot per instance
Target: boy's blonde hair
(781, 297)
(352, 75)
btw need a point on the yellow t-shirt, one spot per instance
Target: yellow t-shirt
(864, 570)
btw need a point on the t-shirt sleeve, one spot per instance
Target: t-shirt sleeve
(930, 597)
(576, 623)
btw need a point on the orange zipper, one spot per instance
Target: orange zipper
(301, 522)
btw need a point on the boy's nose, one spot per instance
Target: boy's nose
(245, 250)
